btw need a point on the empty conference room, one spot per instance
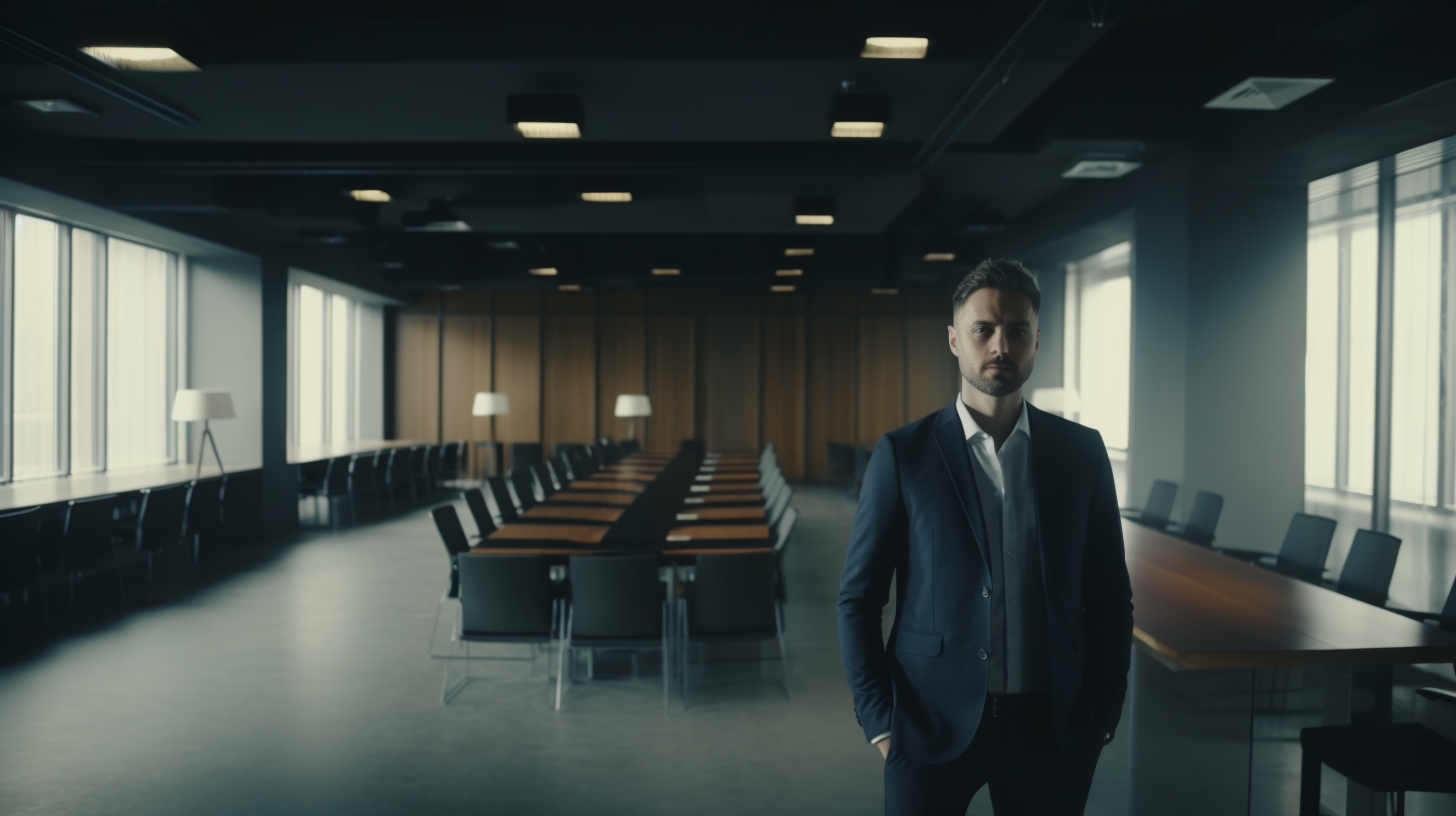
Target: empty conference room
(926, 408)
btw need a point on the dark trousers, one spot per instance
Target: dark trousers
(1015, 754)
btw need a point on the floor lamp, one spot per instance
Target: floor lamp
(192, 404)
(632, 406)
(491, 404)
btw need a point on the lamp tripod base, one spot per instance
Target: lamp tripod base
(202, 451)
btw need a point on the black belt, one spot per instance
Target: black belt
(1018, 705)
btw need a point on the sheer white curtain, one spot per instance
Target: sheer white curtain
(139, 292)
(1099, 360)
(88, 347)
(36, 356)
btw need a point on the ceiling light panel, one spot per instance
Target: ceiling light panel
(789, 273)
(813, 220)
(129, 58)
(55, 106)
(545, 116)
(544, 271)
(781, 287)
(1101, 169)
(859, 115)
(1266, 93)
(798, 252)
(895, 48)
(607, 198)
(857, 130)
(814, 210)
(549, 130)
(939, 256)
(370, 196)
(667, 273)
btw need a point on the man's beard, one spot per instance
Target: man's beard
(993, 387)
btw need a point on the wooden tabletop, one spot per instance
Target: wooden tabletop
(720, 513)
(715, 532)
(722, 497)
(1196, 609)
(606, 515)
(575, 533)
(612, 485)
(591, 497)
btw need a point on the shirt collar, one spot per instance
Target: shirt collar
(970, 428)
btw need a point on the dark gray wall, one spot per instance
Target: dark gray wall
(280, 479)
(225, 351)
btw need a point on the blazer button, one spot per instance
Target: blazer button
(981, 653)
(985, 592)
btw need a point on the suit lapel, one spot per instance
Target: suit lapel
(951, 439)
(1044, 471)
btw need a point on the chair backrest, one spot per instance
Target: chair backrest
(159, 523)
(447, 522)
(475, 499)
(20, 553)
(785, 529)
(427, 462)
(781, 503)
(630, 446)
(398, 471)
(1307, 544)
(503, 501)
(449, 465)
(524, 454)
(565, 467)
(733, 594)
(836, 461)
(204, 507)
(361, 471)
(1448, 612)
(87, 531)
(505, 595)
(1203, 518)
(313, 474)
(525, 488)
(545, 478)
(615, 596)
(338, 479)
(1160, 504)
(1369, 567)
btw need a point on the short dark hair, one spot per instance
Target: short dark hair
(997, 273)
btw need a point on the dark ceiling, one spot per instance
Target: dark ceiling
(714, 116)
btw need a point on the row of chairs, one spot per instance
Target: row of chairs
(379, 479)
(847, 463)
(50, 548)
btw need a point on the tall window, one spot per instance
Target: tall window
(323, 392)
(91, 350)
(1098, 338)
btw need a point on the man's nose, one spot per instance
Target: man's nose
(999, 342)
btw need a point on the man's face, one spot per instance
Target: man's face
(995, 337)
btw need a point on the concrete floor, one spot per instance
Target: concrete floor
(299, 683)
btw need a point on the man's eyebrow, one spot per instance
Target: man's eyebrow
(992, 323)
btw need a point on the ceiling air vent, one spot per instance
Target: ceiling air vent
(1101, 169)
(1266, 93)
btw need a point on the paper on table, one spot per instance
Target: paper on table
(704, 478)
(700, 488)
(687, 516)
(694, 501)
(679, 538)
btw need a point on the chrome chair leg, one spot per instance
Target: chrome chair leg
(561, 666)
(783, 649)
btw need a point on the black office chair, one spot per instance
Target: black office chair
(561, 465)
(525, 454)
(242, 507)
(1369, 567)
(545, 478)
(428, 463)
(452, 461)
(1303, 553)
(397, 479)
(504, 504)
(312, 479)
(525, 486)
(202, 525)
(479, 511)
(784, 529)
(88, 547)
(779, 506)
(732, 598)
(1390, 758)
(861, 459)
(21, 577)
(1446, 618)
(364, 483)
(452, 535)
(839, 460)
(1202, 519)
(160, 524)
(336, 490)
(504, 599)
(616, 602)
(1159, 509)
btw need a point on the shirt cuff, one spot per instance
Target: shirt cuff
(881, 737)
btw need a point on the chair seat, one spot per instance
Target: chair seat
(1386, 757)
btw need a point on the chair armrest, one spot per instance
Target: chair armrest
(1243, 555)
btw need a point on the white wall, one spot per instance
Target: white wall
(371, 372)
(225, 351)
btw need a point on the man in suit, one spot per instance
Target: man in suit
(1007, 664)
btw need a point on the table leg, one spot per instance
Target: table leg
(1359, 695)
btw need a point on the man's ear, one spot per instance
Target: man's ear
(950, 331)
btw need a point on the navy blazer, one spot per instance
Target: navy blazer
(919, 519)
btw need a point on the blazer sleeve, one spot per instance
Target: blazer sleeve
(881, 528)
(1107, 601)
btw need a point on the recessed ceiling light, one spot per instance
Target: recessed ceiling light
(569, 287)
(1267, 93)
(857, 130)
(607, 198)
(140, 59)
(371, 196)
(798, 252)
(884, 291)
(895, 47)
(545, 116)
(1101, 169)
(548, 130)
(667, 272)
(781, 287)
(814, 210)
(789, 273)
(814, 220)
(939, 256)
(58, 106)
(544, 271)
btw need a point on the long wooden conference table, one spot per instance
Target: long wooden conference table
(676, 505)
(1203, 624)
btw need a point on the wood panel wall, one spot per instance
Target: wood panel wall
(736, 371)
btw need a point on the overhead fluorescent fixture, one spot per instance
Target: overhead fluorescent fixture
(895, 48)
(55, 106)
(798, 252)
(1267, 93)
(569, 287)
(884, 291)
(544, 271)
(667, 273)
(1101, 169)
(370, 196)
(438, 218)
(129, 58)
(814, 210)
(938, 256)
(545, 116)
(859, 115)
(789, 273)
(781, 287)
(607, 198)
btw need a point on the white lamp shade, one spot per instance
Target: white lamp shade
(193, 404)
(633, 405)
(490, 403)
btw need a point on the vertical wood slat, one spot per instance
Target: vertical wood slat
(569, 379)
(729, 382)
(931, 375)
(785, 390)
(831, 388)
(417, 395)
(670, 381)
(881, 381)
(467, 367)
(621, 366)
(518, 375)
